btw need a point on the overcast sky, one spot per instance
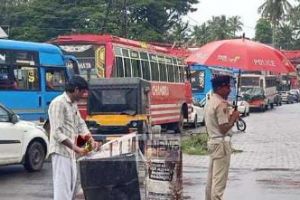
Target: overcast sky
(246, 9)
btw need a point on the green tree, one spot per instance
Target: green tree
(284, 37)
(295, 24)
(219, 28)
(263, 31)
(200, 35)
(38, 20)
(274, 11)
(235, 24)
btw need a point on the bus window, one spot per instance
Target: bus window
(136, 68)
(155, 71)
(197, 80)
(181, 74)
(162, 69)
(27, 78)
(145, 66)
(146, 70)
(136, 65)
(55, 79)
(118, 70)
(171, 73)
(154, 68)
(176, 70)
(7, 79)
(127, 67)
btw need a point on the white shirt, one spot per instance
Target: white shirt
(65, 123)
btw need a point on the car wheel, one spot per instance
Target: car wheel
(195, 124)
(34, 157)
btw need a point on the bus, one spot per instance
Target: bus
(31, 75)
(107, 56)
(201, 76)
(259, 90)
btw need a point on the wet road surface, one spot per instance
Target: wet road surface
(269, 166)
(267, 169)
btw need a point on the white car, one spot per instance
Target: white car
(197, 115)
(21, 142)
(243, 107)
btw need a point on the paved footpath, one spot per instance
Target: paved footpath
(269, 166)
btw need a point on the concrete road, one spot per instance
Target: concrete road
(269, 166)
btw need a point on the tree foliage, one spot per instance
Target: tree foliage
(217, 28)
(275, 12)
(263, 31)
(41, 20)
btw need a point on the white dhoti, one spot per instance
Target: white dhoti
(64, 177)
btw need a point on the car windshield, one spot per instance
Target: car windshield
(253, 93)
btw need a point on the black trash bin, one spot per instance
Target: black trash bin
(113, 178)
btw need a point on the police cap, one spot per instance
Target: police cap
(220, 80)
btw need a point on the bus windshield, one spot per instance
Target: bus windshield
(250, 81)
(197, 80)
(87, 59)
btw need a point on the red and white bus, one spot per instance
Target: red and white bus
(106, 56)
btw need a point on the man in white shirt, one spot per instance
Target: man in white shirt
(66, 124)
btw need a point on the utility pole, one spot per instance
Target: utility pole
(125, 19)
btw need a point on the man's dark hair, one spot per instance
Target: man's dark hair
(76, 82)
(219, 81)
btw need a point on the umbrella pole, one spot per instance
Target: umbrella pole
(237, 89)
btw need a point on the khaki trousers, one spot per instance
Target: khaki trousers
(219, 162)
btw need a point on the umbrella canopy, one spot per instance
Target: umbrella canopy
(243, 54)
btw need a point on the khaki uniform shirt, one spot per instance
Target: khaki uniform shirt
(216, 113)
(65, 123)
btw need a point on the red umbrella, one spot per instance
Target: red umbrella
(243, 54)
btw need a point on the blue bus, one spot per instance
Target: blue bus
(31, 75)
(201, 76)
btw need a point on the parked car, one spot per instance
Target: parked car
(243, 106)
(21, 142)
(296, 94)
(197, 114)
(287, 97)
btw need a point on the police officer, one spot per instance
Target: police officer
(219, 122)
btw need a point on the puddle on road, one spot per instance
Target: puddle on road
(280, 182)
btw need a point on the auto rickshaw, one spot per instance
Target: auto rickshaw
(118, 106)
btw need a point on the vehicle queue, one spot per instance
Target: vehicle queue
(39, 71)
